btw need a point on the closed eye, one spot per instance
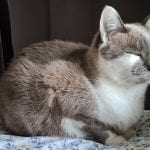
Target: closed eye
(140, 55)
(137, 54)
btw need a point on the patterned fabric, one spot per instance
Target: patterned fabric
(139, 142)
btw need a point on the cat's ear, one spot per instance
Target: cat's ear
(110, 21)
(146, 22)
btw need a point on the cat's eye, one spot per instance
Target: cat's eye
(140, 55)
(104, 49)
(137, 54)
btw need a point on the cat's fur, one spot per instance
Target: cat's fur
(58, 88)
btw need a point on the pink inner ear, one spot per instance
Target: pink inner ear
(110, 22)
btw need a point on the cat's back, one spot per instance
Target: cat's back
(45, 52)
(37, 66)
(34, 61)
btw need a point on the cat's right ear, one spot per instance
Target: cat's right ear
(146, 23)
(110, 21)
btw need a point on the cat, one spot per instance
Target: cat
(66, 89)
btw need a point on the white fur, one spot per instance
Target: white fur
(72, 127)
(132, 59)
(119, 69)
(114, 139)
(118, 105)
(127, 60)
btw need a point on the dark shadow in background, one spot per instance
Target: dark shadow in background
(5, 30)
(78, 20)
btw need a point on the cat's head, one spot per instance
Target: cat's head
(125, 48)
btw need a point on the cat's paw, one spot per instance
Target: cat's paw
(114, 139)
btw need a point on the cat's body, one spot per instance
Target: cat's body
(66, 89)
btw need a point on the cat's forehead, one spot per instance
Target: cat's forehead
(131, 40)
(135, 41)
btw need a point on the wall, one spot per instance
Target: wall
(29, 22)
(72, 20)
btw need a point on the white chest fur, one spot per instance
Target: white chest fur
(119, 106)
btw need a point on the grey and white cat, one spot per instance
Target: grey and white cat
(58, 88)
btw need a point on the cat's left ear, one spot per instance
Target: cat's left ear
(110, 21)
(146, 22)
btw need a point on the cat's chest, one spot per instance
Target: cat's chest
(119, 106)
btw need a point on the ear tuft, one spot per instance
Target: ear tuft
(110, 21)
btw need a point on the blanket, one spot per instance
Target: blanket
(140, 141)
